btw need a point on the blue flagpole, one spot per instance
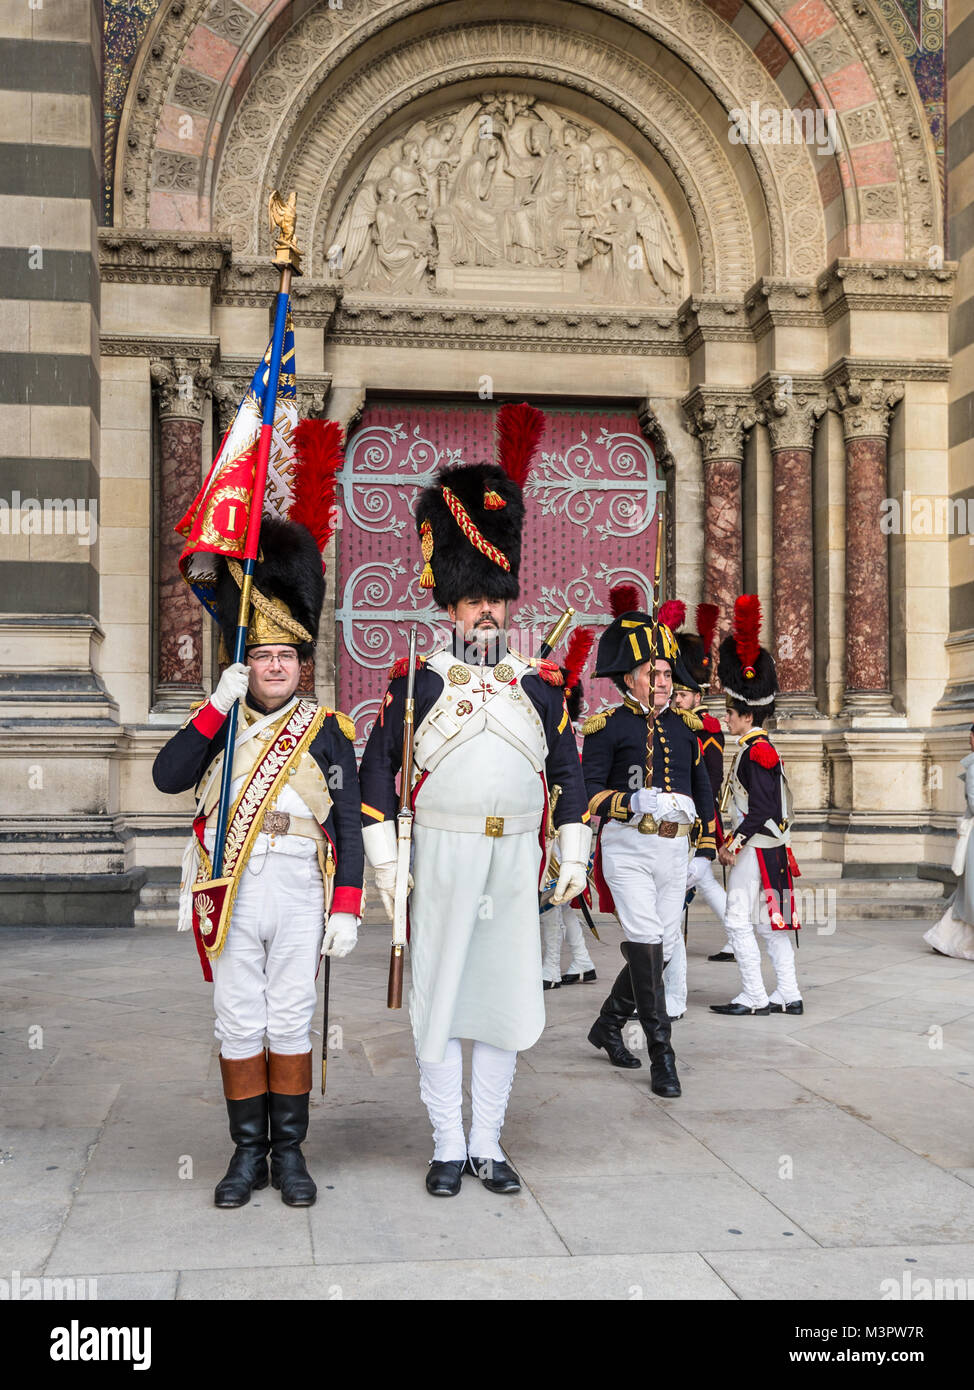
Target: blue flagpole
(250, 552)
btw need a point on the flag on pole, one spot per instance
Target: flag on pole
(216, 523)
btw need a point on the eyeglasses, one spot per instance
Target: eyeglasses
(286, 658)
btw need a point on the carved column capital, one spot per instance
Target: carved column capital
(181, 385)
(865, 404)
(720, 421)
(790, 410)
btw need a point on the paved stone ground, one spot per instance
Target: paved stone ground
(810, 1157)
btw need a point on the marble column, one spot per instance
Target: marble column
(791, 417)
(866, 407)
(720, 424)
(180, 385)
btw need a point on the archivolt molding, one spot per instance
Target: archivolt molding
(715, 50)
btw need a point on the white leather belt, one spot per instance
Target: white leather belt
(479, 825)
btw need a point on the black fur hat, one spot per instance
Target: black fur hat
(470, 518)
(288, 572)
(476, 549)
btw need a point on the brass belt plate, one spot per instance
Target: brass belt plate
(276, 823)
(494, 826)
(667, 830)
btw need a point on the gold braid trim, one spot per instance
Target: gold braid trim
(270, 606)
(691, 719)
(468, 528)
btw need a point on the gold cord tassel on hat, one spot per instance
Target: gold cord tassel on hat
(426, 580)
(493, 501)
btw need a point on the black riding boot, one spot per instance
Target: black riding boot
(289, 1127)
(646, 968)
(248, 1129)
(606, 1031)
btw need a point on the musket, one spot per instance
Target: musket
(324, 1026)
(404, 838)
(557, 633)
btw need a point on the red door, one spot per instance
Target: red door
(591, 523)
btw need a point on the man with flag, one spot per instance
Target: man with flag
(276, 849)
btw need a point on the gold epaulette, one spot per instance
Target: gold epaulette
(346, 725)
(691, 719)
(597, 722)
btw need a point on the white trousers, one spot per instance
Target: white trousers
(441, 1089)
(264, 978)
(647, 876)
(746, 920)
(559, 924)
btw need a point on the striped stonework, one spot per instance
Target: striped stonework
(49, 376)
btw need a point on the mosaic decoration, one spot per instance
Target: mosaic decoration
(126, 22)
(591, 523)
(918, 27)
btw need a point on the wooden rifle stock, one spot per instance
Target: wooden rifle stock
(404, 829)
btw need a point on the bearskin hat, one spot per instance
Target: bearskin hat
(746, 669)
(471, 517)
(289, 589)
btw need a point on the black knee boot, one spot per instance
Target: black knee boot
(248, 1129)
(606, 1031)
(646, 968)
(289, 1127)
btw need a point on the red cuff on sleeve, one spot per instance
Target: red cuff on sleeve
(208, 720)
(347, 900)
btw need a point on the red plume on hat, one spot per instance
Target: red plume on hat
(624, 598)
(579, 650)
(318, 457)
(673, 614)
(747, 629)
(707, 615)
(519, 431)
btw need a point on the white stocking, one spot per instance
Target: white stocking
(441, 1089)
(581, 961)
(551, 935)
(491, 1078)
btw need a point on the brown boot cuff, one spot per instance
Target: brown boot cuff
(289, 1075)
(244, 1077)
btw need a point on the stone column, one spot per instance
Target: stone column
(791, 417)
(866, 407)
(180, 385)
(720, 422)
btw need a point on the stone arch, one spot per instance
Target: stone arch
(880, 113)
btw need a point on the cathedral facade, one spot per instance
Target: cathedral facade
(727, 245)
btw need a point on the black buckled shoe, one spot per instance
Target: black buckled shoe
(289, 1173)
(574, 979)
(722, 955)
(737, 1009)
(551, 984)
(443, 1178)
(248, 1167)
(795, 1007)
(496, 1174)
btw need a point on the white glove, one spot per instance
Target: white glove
(233, 686)
(643, 802)
(385, 881)
(341, 934)
(574, 846)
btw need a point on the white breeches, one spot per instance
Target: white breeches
(746, 919)
(264, 979)
(700, 875)
(559, 924)
(441, 1088)
(647, 877)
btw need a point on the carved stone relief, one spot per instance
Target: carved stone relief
(501, 193)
